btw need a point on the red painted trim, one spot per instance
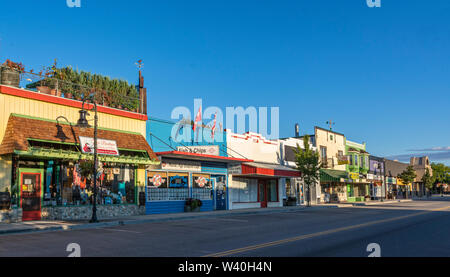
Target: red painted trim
(201, 155)
(247, 169)
(67, 102)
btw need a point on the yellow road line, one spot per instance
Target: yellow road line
(302, 237)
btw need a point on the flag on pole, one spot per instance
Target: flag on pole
(198, 118)
(213, 128)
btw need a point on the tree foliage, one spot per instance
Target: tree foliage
(308, 163)
(427, 179)
(408, 175)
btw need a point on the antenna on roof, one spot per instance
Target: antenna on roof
(331, 123)
(139, 64)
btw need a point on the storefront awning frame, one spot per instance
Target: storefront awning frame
(47, 153)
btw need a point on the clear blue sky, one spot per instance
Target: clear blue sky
(382, 74)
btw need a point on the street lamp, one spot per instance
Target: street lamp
(83, 124)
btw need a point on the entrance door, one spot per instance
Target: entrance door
(30, 188)
(221, 198)
(262, 191)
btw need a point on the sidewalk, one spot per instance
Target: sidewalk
(369, 203)
(40, 226)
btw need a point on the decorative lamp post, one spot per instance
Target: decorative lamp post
(84, 124)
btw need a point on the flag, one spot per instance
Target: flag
(213, 128)
(198, 118)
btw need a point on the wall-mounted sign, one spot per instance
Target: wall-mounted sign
(104, 146)
(353, 175)
(200, 149)
(235, 169)
(343, 160)
(184, 165)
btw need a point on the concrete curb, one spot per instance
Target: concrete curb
(382, 203)
(67, 227)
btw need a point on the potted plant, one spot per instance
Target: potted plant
(291, 201)
(192, 205)
(10, 73)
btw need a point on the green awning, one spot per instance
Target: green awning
(331, 175)
(46, 153)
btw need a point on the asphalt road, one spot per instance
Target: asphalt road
(419, 228)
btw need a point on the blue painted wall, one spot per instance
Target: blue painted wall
(164, 135)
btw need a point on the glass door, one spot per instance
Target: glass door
(262, 193)
(30, 188)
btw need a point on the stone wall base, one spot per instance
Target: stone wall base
(85, 212)
(11, 216)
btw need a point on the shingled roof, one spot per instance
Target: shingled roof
(20, 129)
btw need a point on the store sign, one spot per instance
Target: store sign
(104, 146)
(235, 169)
(205, 150)
(181, 165)
(343, 160)
(354, 176)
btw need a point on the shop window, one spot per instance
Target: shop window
(272, 191)
(244, 190)
(201, 186)
(65, 186)
(163, 186)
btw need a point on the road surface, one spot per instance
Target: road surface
(418, 228)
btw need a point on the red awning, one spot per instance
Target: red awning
(254, 169)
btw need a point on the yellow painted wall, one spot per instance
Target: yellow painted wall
(334, 145)
(13, 104)
(5, 173)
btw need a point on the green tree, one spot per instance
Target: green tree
(428, 180)
(441, 173)
(408, 176)
(308, 163)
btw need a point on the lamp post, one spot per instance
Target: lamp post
(83, 124)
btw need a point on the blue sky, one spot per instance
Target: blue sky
(382, 74)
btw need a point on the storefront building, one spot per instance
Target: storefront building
(194, 166)
(333, 175)
(375, 177)
(396, 189)
(333, 184)
(184, 175)
(44, 161)
(358, 188)
(261, 183)
(295, 188)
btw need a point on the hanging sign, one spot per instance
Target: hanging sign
(201, 149)
(104, 146)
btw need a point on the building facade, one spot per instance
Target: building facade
(194, 164)
(295, 189)
(376, 178)
(395, 188)
(42, 154)
(420, 165)
(357, 168)
(261, 183)
(333, 176)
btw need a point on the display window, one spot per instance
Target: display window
(66, 186)
(202, 186)
(244, 190)
(165, 186)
